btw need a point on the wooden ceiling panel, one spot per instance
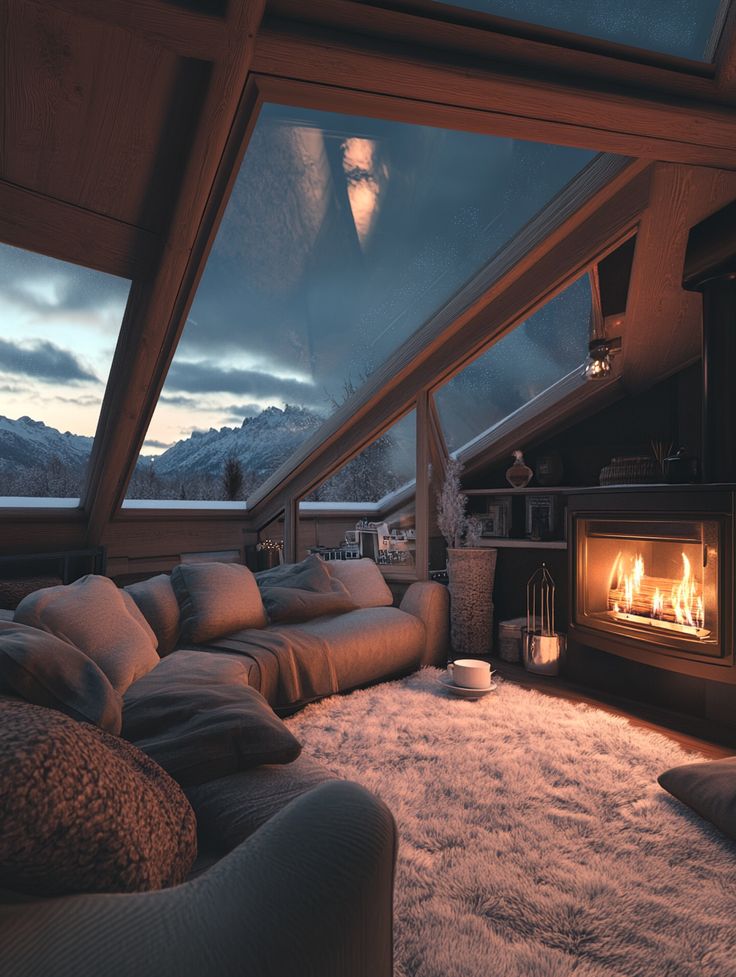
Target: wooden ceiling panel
(88, 106)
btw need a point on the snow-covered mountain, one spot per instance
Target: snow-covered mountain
(260, 444)
(26, 445)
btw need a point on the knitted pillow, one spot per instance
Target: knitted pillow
(84, 811)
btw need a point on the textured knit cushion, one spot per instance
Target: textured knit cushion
(364, 581)
(157, 602)
(99, 619)
(216, 599)
(196, 715)
(43, 669)
(83, 811)
(709, 788)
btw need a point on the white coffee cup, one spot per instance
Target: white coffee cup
(469, 673)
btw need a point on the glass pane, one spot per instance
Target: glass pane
(686, 28)
(60, 324)
(536, 354)
(382, 479)
(385, 466)
(342, 236)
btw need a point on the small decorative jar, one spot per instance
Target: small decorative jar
(520, 474)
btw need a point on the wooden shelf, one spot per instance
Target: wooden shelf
(503, 542)
(529, 490)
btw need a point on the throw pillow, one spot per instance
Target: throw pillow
(364, 581)
(709, 788)
(310, 574)
(47, 671)
(99, 619)
(157, 602)
(84, 811)
(291, 605)
(216, 599)
(196, 716)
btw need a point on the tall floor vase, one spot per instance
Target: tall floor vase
(471, 573)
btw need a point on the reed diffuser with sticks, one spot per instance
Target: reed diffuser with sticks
(542, 645)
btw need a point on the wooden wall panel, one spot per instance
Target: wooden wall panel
(662, 330)
(94, 115)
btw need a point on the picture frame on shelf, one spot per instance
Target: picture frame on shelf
(542, 517)
(496, 521)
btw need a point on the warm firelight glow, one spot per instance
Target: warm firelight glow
(676, 605)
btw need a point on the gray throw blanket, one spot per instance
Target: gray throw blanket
(293, 666)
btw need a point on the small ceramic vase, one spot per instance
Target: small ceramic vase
(520, 474)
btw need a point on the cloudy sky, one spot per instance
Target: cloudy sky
(342, 236)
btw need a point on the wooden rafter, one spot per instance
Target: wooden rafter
(187, 32)
(726, 57)
(40, 223)
(157, 307)
(430, 87)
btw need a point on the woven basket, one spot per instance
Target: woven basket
(471, 573)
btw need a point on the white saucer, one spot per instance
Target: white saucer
(462, 691)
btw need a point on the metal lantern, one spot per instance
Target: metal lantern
(542, 645)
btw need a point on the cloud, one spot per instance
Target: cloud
(152, 443)
(43, 361)
(206, 377)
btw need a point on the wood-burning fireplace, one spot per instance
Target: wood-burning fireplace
(652, 577)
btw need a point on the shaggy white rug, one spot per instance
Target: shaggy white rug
(534, 838)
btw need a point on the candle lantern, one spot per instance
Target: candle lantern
(542, 645)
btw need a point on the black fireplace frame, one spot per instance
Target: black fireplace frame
(652, 503)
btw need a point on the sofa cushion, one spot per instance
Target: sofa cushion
(364, 581)
(157, 602)
(84, 811)
(230, 809)
(215, 599)
(291, 604)
(99, 619)
(196, 715)
(43, 669)
(367, 645)
(709, 788)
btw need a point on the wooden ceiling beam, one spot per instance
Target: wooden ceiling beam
(158, 305)
(434, 353)
(186, 32)
(726, 57)
(43, 224)
(427, 85)
(465, 32)
(661, 332)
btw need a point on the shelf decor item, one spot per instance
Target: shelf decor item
(471, 570)
(497, 519)
(542, 645)
(541, 516)
(519, 474)
(549, 468)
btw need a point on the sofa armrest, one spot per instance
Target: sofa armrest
(307, 895)
(430, 602)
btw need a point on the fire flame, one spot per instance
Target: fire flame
(635, 594)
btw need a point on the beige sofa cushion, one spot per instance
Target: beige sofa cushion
(157, 602)
(102, 621)
(364, 582)
(216, 599)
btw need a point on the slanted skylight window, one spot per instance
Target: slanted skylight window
(342, 236)
(379, 471)
(541, 352)
(685, 28)
(59, 327)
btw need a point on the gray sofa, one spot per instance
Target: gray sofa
(295, 868)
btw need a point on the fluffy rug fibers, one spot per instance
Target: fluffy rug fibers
(534, 839)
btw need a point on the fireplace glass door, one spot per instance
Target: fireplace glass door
(652, 580)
